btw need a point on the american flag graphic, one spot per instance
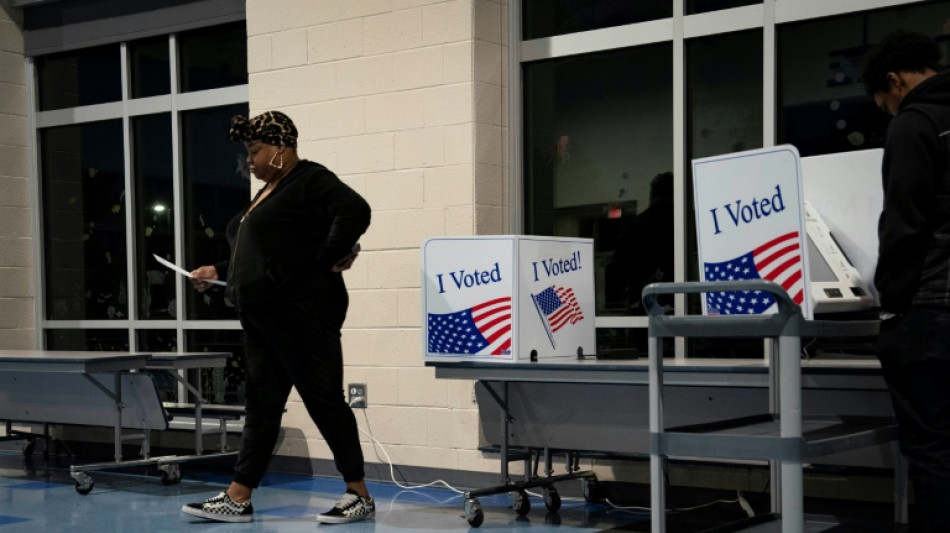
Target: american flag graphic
(480, 330)
(778, 260)
(558, 306)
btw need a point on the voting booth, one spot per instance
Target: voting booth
(750, 225)
(507, 297)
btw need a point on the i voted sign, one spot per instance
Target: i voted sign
(507, 297)
(750, 225)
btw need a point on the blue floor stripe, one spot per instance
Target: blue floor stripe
(35, 485)
(4, 520)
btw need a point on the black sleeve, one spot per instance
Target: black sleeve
(348, 211)
(911, 152)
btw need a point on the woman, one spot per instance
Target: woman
(288, 249)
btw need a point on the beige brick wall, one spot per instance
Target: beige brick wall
(405, 100)
(16, 242)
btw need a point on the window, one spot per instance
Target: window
(149, 63)
(597, 132)
(154, 214)
(546, 18)
(213, 58)
(606, 114)
(153, 176)
(84, 220)
(703, 6)
(79, 78)
(723, 109)
(823, 107)
(216, 187)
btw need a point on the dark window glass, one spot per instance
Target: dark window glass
(78, 78)
(598, 131)
(822, 104)
(149, 67)
(703, 6)
(724, 115)
(104, 340)
(160, 340)
(216, 187)
(210, 58)
(84, 207)
(154, 215)
(156, 340)
(545, 18)
(220, 385)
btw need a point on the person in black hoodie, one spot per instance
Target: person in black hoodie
(903, 76)
(288, 249)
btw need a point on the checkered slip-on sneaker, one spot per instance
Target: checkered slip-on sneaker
(221, 508)
(351, 508)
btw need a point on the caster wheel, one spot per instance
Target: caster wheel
(473, 513)
(83, 488)
(84, 482)
(170, 474)
(521, 504)
(552, 500)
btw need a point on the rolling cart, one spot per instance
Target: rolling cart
(782, 434)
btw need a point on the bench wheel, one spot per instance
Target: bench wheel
(84, 482)
(170, 473)
(552, 500)
(473, 512)
(521, 502)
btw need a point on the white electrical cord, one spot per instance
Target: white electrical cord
(392, 472)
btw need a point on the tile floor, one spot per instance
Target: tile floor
(38, 496)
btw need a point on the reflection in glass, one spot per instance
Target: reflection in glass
(216, 187)
(99, 340)
(823, 107)
(156, 340)
(703, 6)
(724, 115)
(220, 385)
(724, 93)
(149, 67)
(545, 18)
(598, 130)
(77, 78)
(160, 340)
(154, 215)
(83, 188)
(210, 58)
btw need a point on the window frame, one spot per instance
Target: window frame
(174, 103)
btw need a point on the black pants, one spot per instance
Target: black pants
(295, 344)
(915, 359)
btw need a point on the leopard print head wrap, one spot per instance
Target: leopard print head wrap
(271, 127)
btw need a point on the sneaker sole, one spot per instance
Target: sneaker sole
(343, 519)
(215, 516)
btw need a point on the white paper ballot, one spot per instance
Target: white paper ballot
(182, 271)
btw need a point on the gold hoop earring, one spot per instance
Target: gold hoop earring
(279, 165)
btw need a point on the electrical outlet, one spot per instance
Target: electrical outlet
(357, 395)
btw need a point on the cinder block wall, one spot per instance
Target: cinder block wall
(404, 100)
(16, 242)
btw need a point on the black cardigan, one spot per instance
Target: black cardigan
(286, 247)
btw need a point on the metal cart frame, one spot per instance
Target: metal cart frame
(783, 435)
